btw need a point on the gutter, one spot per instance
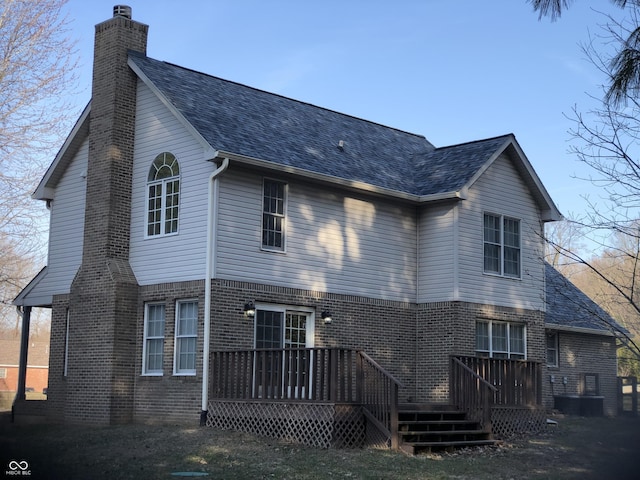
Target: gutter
(589, 331)
(212, 219)
(350, 184)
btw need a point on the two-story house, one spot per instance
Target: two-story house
(213, 244)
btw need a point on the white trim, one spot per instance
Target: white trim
(44, 190)
(348, 184)
(209, 151)
(585, 330)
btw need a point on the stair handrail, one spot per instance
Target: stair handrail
(378, 396)
(470, 402)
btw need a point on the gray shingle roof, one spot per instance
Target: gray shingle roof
(569, 307)
(235, 118)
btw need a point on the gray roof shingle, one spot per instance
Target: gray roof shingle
(568, 306)
(250, 122)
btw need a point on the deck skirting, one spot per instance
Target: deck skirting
(323, 425)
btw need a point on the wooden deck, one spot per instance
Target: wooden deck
(336, 397)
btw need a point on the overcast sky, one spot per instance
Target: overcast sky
(453, 71)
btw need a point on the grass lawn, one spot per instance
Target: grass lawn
(578, 448)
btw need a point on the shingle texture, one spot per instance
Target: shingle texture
(568, 306)
(243, 120)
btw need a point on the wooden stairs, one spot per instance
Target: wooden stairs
(429, 428)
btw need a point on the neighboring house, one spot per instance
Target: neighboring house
(37, 371)
(582, 360)
(192, 217)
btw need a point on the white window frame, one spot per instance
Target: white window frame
(163, 183)
(65, 369)
(3, 372)
(282, 216)
(178, 337)
(502, 246)
(555, 337)
(492, 349)
(148, 338)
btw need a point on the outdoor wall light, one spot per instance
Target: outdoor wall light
(249, 310)
(326, 316)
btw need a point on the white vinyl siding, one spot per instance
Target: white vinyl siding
(500, 189)
(183, 255)
(335, 242)
(437, 254)
(66, 230)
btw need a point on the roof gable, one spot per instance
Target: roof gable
(275, 132)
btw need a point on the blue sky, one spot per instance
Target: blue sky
(451, 71)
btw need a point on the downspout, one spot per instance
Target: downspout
(212, 214)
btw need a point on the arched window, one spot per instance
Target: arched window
(163, 187)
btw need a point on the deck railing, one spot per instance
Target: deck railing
(321, 375)
(471, 393)
(378, 393)
(518, 382)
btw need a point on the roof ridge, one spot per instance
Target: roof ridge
(301, 102)
(476, 141)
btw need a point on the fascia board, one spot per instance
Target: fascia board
(24, 293)
(45, 190)
(548, 208)
(588, 331)
(330, 179)
(208, 150)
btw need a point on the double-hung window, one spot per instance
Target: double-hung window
(153, 343)
(163, 195)
(552, 349)
(502, 245)
(500, 339)
(186, 337)
(273, 214)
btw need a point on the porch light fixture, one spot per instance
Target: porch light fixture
(249, 310)
(326, 316)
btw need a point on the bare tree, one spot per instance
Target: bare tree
(37, 72)
(624, 66)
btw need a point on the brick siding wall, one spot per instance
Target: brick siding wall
(581, 354)
(448, 328)
(417, 353)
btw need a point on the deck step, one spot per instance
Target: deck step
(426, 429)
(427, 447)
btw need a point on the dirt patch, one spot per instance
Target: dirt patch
(577, 448)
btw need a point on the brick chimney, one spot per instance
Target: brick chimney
(103, 301)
